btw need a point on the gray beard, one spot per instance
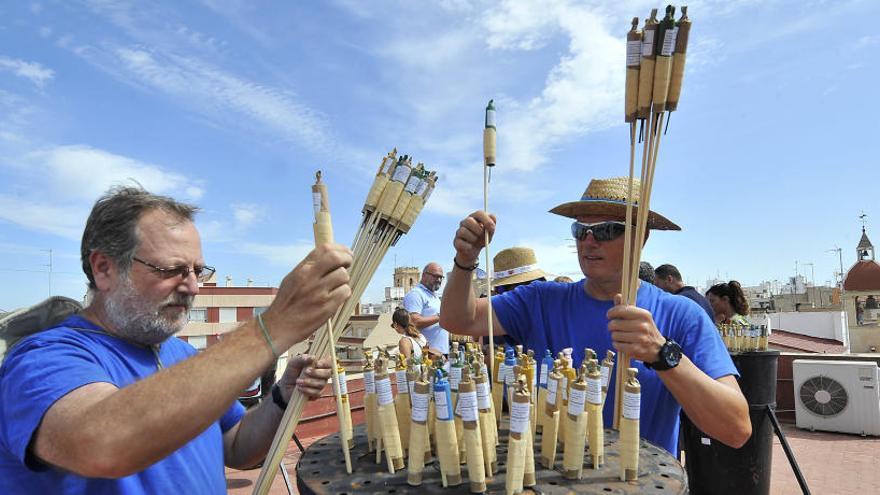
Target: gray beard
(138, 321)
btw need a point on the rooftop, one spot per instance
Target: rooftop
(790, 341)
(863, 276)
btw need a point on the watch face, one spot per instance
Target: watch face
(671, 353)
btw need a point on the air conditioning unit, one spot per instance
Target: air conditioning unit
(837, 396)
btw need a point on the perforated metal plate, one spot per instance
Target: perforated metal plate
(321, 470)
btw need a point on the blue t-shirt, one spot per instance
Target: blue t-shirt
(552, 315)
(45, 366)
(426, 303)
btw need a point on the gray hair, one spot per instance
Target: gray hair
(112, 224)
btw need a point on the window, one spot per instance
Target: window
(198, 315)
(260, 310)
(228, 315)
(200, 342)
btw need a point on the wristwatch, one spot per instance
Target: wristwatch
(668, 357)
(277, 398)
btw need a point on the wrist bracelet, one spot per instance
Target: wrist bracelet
(267, 337)
(465, 268)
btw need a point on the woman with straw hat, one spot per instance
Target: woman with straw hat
(681, 359)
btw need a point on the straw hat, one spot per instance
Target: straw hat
(515, 265)
(608, 197)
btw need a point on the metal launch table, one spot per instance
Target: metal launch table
(321, 470)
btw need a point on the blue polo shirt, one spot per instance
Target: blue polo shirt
(45, 366)
(552, 315)
(692, 294)
(425, 302)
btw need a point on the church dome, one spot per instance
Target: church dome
(863, 276)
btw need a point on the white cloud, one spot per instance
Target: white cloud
(867, 41)
(32, 71)
(223, 97)
(246, 214)
(287, 255)
(81, 172)
(45, 32)
(58, 219)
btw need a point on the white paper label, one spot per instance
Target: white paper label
(441, 405)
(632, 405)
(401, 173)
(544, 371)
(551, 391)
(669, 42)
(605, 372)
(383, 390)
(564, 385)
(421, 187)
(412, 184)
(509, 376)
(594, 390)
(454, 377)
(648, 43)
(705, 441)
(633, 53)
(490, 118)
(467, 406)
(484, 396)
(576, 401)
(419, 407)
(402, 387)
(316, 201)
(343, 384)
(519, 417)
(412, 387)
(370, 382)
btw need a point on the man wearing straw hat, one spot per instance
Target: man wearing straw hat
(681, 360)
(105, 400)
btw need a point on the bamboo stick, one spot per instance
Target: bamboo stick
(487, 421)
(447, 446)
(595, 428)
(473, 441)
(402, 404)
(489, 137)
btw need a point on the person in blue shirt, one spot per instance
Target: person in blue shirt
(423, 305)
(109, 401)
(682, 361)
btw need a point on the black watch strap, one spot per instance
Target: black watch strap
(668, 357)
(277, 398)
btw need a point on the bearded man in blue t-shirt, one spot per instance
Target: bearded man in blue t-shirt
(108, 401)
(682, 361)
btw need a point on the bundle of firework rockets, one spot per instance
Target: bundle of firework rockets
(452, 408)
(744, 338)
(394, 202)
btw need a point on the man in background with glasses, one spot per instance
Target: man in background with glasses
(681, 359)
(107, 401)
(423, 305)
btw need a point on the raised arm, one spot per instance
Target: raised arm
(102, 431)
(460, 311)
(717, 407)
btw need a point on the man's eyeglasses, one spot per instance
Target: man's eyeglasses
(602, 231)
(437, 277)
(203, 273)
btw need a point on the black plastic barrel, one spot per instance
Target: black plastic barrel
(713, 467)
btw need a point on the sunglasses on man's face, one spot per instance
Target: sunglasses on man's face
(602, 231)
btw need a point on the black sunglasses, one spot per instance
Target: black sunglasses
(602, 231)
(203, 273)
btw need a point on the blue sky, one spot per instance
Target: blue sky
(233, 105)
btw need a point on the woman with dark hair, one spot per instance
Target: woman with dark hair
(729, 303)
(412, 341)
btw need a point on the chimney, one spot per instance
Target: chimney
(229, 281)
(250, 282)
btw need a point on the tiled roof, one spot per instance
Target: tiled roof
(864, 242)
(863, 276)
(805, 343)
